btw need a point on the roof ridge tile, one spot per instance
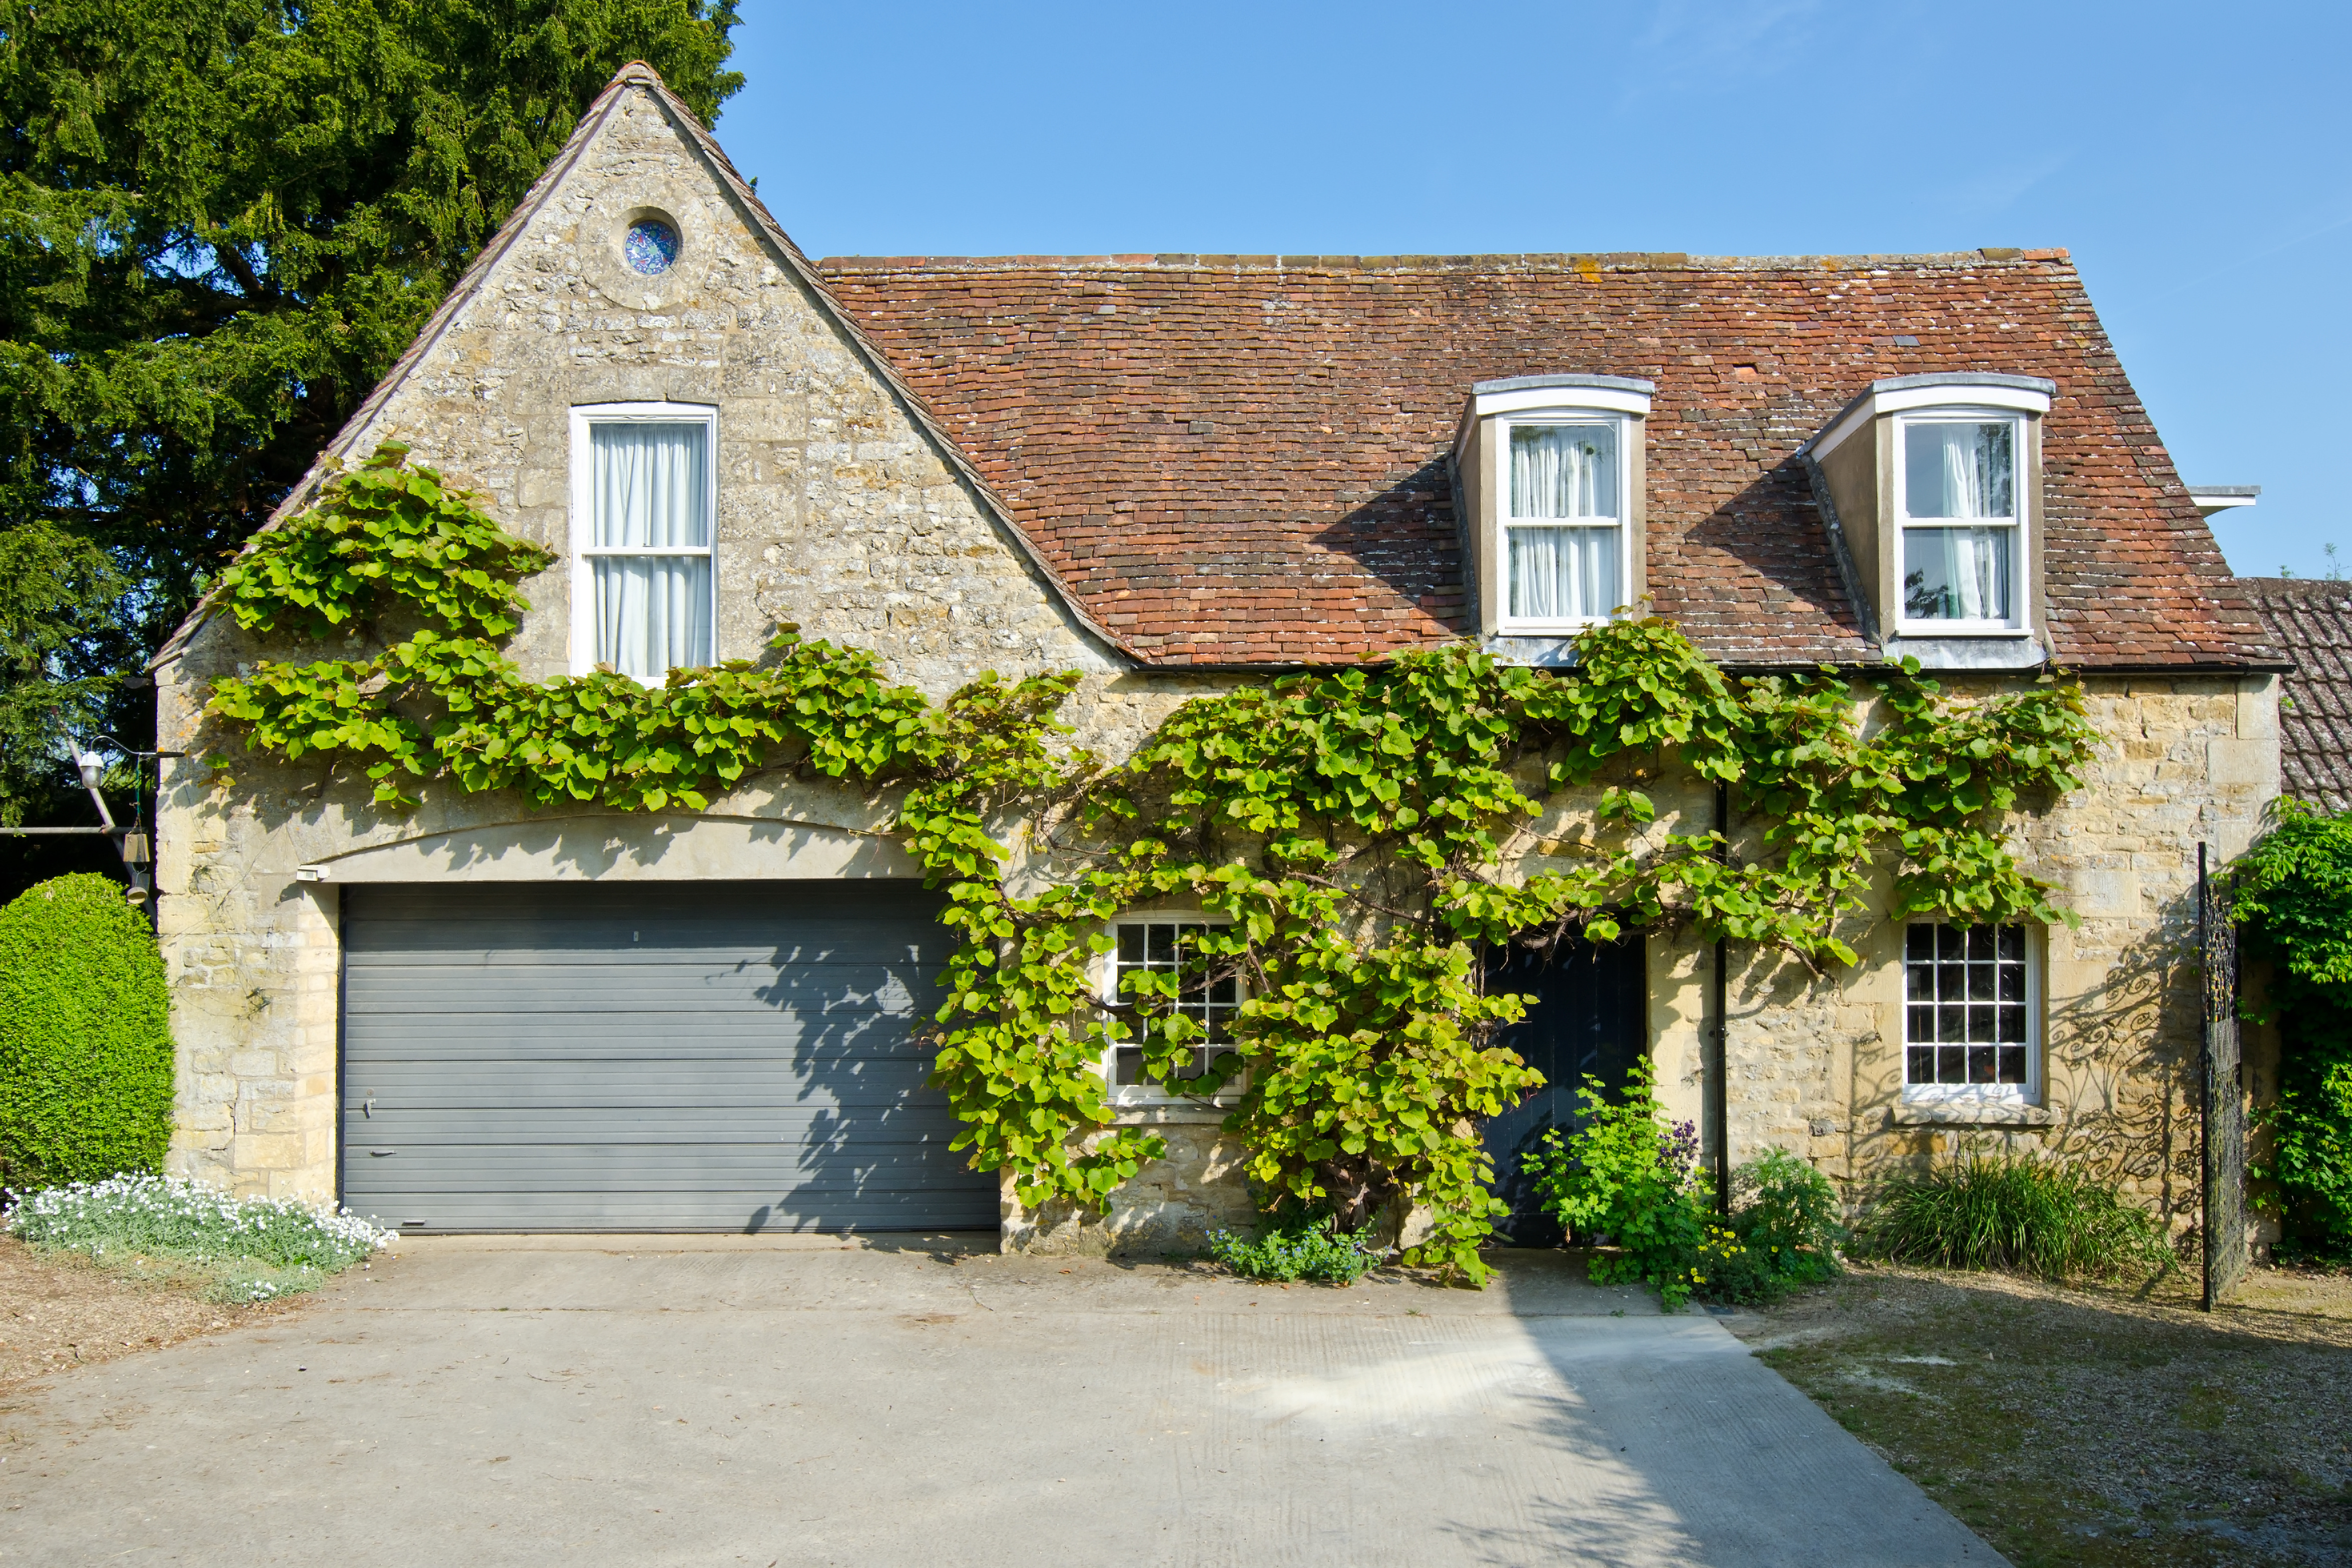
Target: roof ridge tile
(1500, 261)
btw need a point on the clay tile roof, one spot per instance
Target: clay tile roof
(2312, 622)
(1243, 459)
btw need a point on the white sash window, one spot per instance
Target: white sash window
(1961, 545)
(1971, 1013)
(644, 497)
(1564, 528)
(1166, 945)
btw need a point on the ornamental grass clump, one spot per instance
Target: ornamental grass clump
(1314, 1248)
(2017, 1213)
(235, 1249)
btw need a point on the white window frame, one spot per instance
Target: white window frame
(584, 576)
(1557, 415)
(2020, 502)
(2026, 1093)
(1107, 990)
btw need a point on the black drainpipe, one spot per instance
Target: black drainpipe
(1717, 1073)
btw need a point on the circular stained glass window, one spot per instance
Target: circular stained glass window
(651, 247)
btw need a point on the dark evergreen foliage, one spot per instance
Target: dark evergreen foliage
(220, 224)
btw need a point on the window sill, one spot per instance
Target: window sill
(1550, 628)
(1967, 650)
(1169, 1112)
(651, 682)
(1971, 1113)
(1955, 629)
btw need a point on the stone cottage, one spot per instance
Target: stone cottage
(1175, 474)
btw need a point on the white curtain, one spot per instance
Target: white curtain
(1959, 470)
(1563, 574)
(650, 492)
(1565, 471)
(1960, 574)
(1964, 485)
(653, 614)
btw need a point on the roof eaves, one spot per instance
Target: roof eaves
(2248, 666)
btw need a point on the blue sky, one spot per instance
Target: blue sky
(2192, 158)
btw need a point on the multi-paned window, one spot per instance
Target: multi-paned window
(1168, 946)
(1968, 1009)
(1564, 528)
(1961, 547)
(644, 496)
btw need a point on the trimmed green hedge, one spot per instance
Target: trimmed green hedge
(85, 1040)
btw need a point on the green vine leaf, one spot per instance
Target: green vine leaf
(383, 530)
(1358, 834)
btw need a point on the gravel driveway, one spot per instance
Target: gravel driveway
(747, 1401)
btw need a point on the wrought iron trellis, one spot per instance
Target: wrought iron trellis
(2222, 1138)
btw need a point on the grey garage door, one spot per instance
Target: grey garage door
(727, 1056)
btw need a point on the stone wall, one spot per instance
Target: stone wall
(1815, 1061)
(836, 511)
(1171, 1207)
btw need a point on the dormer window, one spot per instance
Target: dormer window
(1960, 551)
(1551, 468)
(1565, 560)
(1932, 489)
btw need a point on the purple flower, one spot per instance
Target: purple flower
(1679, 1150)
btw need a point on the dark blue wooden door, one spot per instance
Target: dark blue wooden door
(1588, 1016)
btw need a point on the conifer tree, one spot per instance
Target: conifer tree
(221, 221)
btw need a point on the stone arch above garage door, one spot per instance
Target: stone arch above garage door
(627, 847)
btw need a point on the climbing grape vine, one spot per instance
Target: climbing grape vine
(1358, 836)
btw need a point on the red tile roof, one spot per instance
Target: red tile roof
(1243, 459)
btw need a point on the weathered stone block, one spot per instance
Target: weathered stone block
(2254, 762)
(1170, 1206)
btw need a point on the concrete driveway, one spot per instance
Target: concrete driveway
(911, 1401)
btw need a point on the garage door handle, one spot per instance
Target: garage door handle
(379, 1153)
